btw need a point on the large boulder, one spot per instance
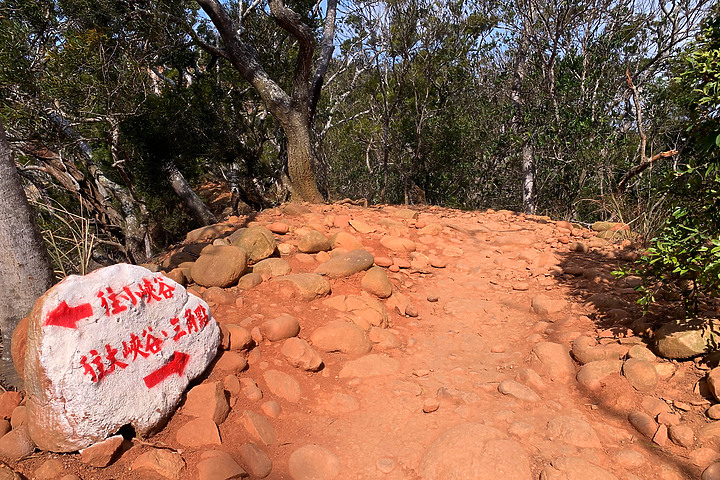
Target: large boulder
(219, 266)
(685, 339)
(115, 347)
(258, 242)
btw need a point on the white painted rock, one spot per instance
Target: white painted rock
(115, 347)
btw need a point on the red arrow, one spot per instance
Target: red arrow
(177, 364)
(66, 316)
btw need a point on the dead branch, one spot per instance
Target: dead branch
(638, 169)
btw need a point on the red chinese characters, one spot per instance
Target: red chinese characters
(97, 365)
(150, 290)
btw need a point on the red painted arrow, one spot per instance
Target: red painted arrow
(66, 316)
(177, 364)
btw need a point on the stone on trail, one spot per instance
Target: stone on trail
(398, 244)
(283, 385)
(115, 347)
(272, 267)
(682, 435)
(240, 338)
(102, 453)
(518, 390)
(592, 374)
(573, 431)
(198, 432)
(258, 427)
(369, 366)
(345, 241)
(8, 403)
(713, 382)
(575, 468)
(250, 280)
(207, 400)
(163, 462)
(341, 336)
(254, 460)
(219, 266)
(16, 444)
(477, 452)
(361, 227)
(280, 328)
(712, 472)
(258, 242)
(314, 242)
(641, 374)
(308, 285)
(300, 354)
(346, 264)
(553, 361)
(684, 340)
(313, 462)
(218, 465)
(544, 305)
(643, 423)
(50, 469)
(376, 282)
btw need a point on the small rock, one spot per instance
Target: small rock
(8, 402)
(377, 283)
(207, 400)
(19, 416)
(592, 374)
(272, 409)
(641, 352)
(272, 267)
(341, 336)
(314, 242)
(197, 433)
(219, 266)
(217, 465)
(643, 423)
(251, 390)
(383, 339)
(686, 340)
(219, 296)
(518, 390)
(345, 241)
(283, 385)
(251, 280)
(385, 465)
(101, 454)
(257, 242)
(280, 328)
(397, 244)
(16, 444)
(279, 228)
(258, 427)
(240, 338)
(573, 431)
(712, 472)
(543, 305)
(50, 469)
(361, 227)
(309, 285)
(713, 382)
(641, 374)
(166, 463)
(430, 405)
(313, 462)
(231, 362)
(346, 264)
(682, 435)
(301, 355)
(629, 458)
(661, 436)
(714, 412)
(254, 461)
(554, 360)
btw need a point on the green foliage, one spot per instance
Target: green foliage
(684, 259)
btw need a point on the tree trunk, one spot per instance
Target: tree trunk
(197, 207)
(300, 155)
(528, 176)
(25, 271)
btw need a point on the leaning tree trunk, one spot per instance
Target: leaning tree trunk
(25, 271)
(197, 207)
